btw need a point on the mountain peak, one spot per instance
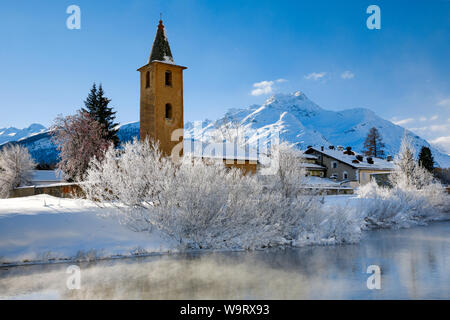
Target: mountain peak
(296, 101)
(297, 95)
(35, 126)
(14, 134)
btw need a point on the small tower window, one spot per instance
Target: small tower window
(168, 78)
(147, 79)
(168, 111)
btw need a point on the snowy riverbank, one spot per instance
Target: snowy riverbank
(45, 229)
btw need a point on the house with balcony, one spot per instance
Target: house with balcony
(347, 165)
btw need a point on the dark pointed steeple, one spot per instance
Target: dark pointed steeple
(161, 49)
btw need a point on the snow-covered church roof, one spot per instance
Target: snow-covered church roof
(231, 151)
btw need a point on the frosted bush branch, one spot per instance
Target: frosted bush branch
(16, 167)
(414, 196)
(202, 204)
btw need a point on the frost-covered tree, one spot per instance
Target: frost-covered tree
(409, 173)
(16, 167)
(289, 175)
(135, 176)
(373, 145)
(414, 197)
(230, 130)
(200, 203)
(79, 138)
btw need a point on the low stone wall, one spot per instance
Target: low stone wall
(330, 191)
(73, 190)
(64, 190)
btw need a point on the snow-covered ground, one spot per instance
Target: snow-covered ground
(43, 228)
(321, 182)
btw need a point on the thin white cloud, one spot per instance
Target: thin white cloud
(403, 121)
(433, 128)
(347, 75)
(435, 117)
(443, 142)
(263, 87)
(444, 103)
(315, 76)
(281, 80)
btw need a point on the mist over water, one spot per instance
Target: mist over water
(415, 263)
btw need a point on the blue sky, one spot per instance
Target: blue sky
(322, 48)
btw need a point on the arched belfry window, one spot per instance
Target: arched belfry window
(168, 78)
(147, 79)
(168, 111)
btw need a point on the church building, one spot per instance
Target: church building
(161, 99)
(161, 108)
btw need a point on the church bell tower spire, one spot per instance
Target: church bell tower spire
(161, 98)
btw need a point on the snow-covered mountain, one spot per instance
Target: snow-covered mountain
(44, 151)
(297, 119)
(14, 134)
(300, 121)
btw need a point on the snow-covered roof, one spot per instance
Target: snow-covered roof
(378, 164)
(219, 150)
(47, 175)
(311, 166)
(324, 182)
(308, 156)
(161, 48)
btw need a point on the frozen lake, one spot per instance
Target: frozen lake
(415, 264)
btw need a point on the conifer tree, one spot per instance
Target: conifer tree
(426, 159)
(97, 106)
(373, 145)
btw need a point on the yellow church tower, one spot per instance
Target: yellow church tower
(161, 102)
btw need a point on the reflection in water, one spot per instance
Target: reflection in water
(414, 264)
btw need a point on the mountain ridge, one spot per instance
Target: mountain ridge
(302, 122)
(14, 134)
(294, 116)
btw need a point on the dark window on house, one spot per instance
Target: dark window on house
(334, 164)
(345, 175)
(147, 79)
(168, 78)
(168, 111)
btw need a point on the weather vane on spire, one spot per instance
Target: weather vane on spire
(160, 25)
